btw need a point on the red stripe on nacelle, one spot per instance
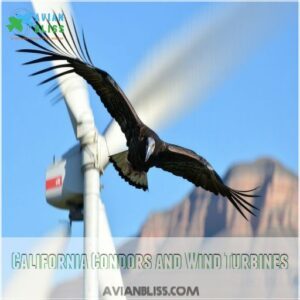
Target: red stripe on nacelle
(54, 182)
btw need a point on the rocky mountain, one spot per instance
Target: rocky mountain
(201, 213)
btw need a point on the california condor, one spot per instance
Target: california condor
(145, 148)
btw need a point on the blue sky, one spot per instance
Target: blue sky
(253, 113)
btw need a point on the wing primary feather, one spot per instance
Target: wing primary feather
(55, 86)
(56, 76)
(111, 95)
(34, 51)
(240, 202)
(56, 99)
(33, 42)
(78, 41)
(72, 38)
(248, 191)
(237, 207)
(45, 58)
(245, 201)
(245, 195)
(86, 50)
(50, 69)
(58, 39)
(45, 37)
(63, 33)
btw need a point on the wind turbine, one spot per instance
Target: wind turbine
(90, 157)
(93, 148)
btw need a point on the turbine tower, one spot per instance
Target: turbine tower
(93, 156)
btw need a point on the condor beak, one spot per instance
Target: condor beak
(150, 148)
(148, 153)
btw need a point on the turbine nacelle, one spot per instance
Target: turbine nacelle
(64, 177)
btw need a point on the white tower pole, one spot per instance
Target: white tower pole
(91, 198)
(97, 233)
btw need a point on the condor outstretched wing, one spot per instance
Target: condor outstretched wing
(79, 62)
(187, 164)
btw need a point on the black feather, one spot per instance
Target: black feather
(33, 43)
(51, 68)
(63, 32)
(86, 50)
(35, 51)
(69, 30)
(82, 56)
(57, 99)
(45, 58)
(232, 200)
(56, 76)
(45, 37)
(240, 202)
(55, 86)
(59, 40)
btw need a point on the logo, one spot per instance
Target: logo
(54, 182)
(23, 21)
